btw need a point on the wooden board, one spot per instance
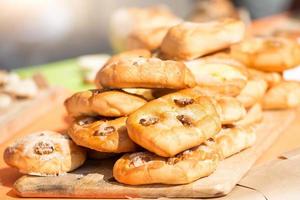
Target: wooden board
(24, 112)
(94, 179)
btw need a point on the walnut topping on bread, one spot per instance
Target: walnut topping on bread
(45, 153)
(149, 121)
(139, 159)
(185, 120)
(105, 131)
(43, 148)
(183, 101)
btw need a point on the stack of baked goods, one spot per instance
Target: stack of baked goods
(174, 112)
(267, 58)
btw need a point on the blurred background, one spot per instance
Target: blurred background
(36, 32)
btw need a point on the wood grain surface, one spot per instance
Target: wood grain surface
(94, 179)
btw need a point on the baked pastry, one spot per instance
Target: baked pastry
(89, 65)
(97, 155)
(135, 53)
(253, 92)
(45, 153)
(190, 40)
(206, 10)
(145, 73)
(149, 38)
(108, 103)
(253, 117)
(104, 135)
(126, 23)
(293, 34)
(285, 94)
(147, 168)
(129, 54)
(268, 54)
(235, 139)
(212, 73)
(173, 123)
(272, 78)
(230, 109)
(143, 92)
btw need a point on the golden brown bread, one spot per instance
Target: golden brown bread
(149, 38)
(253, 92)
(126, 22)
(272, 78)
(44, 153)
(285, 94)
(235, 139)
(129, 54)
(174, 123)
(228, 108)
(146, 93)
(105, 135)
(218, 75)
(147, 168)
(190, 40)
(108, 103)
(253, 117)
(145, 73)
(268, 54)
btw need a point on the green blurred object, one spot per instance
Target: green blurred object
(64, 73)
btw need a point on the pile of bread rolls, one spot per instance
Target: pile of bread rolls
(171, 111)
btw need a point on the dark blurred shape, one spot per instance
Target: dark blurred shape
(263, 8)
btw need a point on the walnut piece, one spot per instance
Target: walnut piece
(139, 159)
(86, 121)
(43, 148)
(185, 120)
(183, 102)
(149, 121)
(106, 131)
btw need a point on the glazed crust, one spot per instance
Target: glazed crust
(268, 54)
(147, 168)
(174, 123)
(216, 74)
(233, 140)
(108, 103)
(282, 96)
(253, 92)
(102, 135)
(45, 153)
(146, 73)
(189, 40)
